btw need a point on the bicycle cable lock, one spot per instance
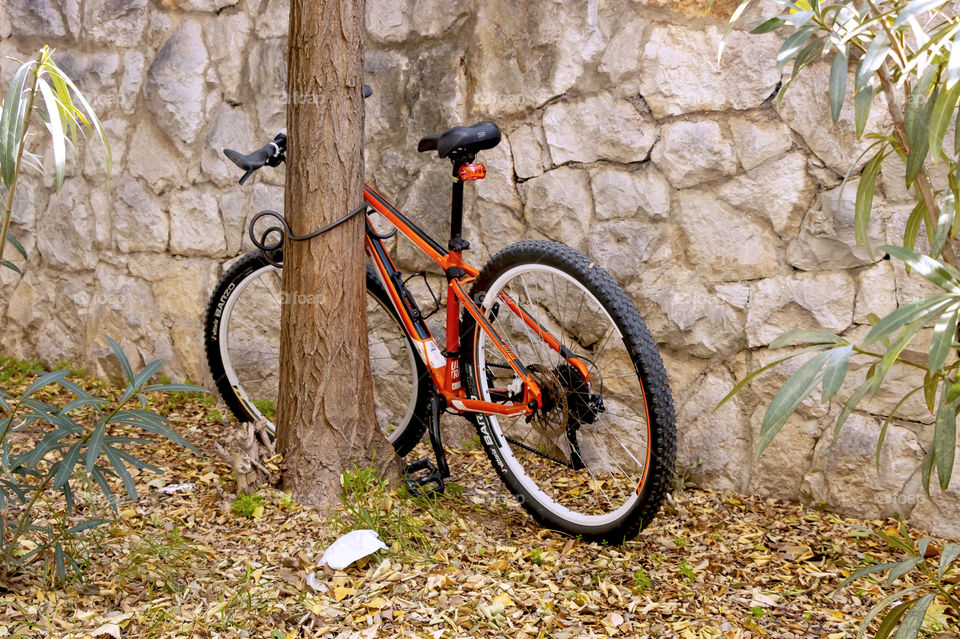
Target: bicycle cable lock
(268, 250)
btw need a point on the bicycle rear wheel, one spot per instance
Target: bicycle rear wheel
(242, 340)
(596, 461)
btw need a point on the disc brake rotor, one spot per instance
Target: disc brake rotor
(551, 420)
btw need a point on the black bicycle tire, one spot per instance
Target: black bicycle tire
(243, 268)
(646, 359)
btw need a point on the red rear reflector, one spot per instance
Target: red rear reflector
(473, 172)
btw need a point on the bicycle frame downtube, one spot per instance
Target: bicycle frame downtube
(444, 368)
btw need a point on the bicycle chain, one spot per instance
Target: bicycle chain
(537, 452)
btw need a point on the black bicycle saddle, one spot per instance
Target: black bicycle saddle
(462, 140)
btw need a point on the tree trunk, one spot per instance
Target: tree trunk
(325, 410)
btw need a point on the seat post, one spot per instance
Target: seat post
(457, 243)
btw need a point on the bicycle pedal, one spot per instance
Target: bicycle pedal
(419, 486)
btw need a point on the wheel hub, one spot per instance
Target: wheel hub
(551, 419)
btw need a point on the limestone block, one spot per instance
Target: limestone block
(599, 127)
(131, 81)
(680, 73)
(848, 478)
(152, 157)
(780, 190)
(876, 292)
(97, 75)
(267, 68)
(725, 245)
(827, 238)
(126, 311)
(489, 228)
(528, 145)
(274, 22)
(388, 21)
(436, 18)
(208, 6)
(227, 36)
(806, 300)
(621, 247)
(621, 59)
(779, 470)
(691, 152)
(184, 289)
(175, 86)
(235, 209)
(681, 311)
(552, 44)
(559, 205)
(757, 141)
(806, 109)
(117, 23)
(195, 226)
(39, 18)
(498, 187)
(74, 228)
(94, 153)
(231, 129)
(139, 224)
(714, 446)
(621, 194)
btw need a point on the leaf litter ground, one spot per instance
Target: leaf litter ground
(471, 563)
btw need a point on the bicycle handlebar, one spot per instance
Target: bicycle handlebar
(270, 154)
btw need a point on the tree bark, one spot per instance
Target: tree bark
(325, 410)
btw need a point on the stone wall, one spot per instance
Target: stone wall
(721, 217)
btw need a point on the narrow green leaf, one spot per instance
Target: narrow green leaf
(838, 84)
(949, 553)
(140, 379)
(851, 405)
(789, 396)
(913, 225)
(120, 468)
(940, 116)
(67, 465)
(168, 388)
(930, 390)
(805, 336)
(747, 379)
(892, 619)
(17, 245)
(100, 478)
(768, 25)
(11, 123)
(919, 103)
(864, 203)
(901, 568)
(836, 371)
(58, 559)
(86, 525)
(58, 139)
(945, 441)
(866, 570)
(872, 60)
(13, 267)
(906, 314)
(916, 158)
(913, 10)
(883, 603)
(121, 357)
(946, 220)
(44, 380)
(910, 626)
(95, 444)
(943, 334)
(954, 391)
(862, 102)
(940, 273)
(793, 44)
(927, 467)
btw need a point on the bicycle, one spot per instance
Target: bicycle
(545, 354)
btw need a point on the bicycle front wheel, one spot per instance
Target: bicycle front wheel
(597, 458)
(242, 339)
